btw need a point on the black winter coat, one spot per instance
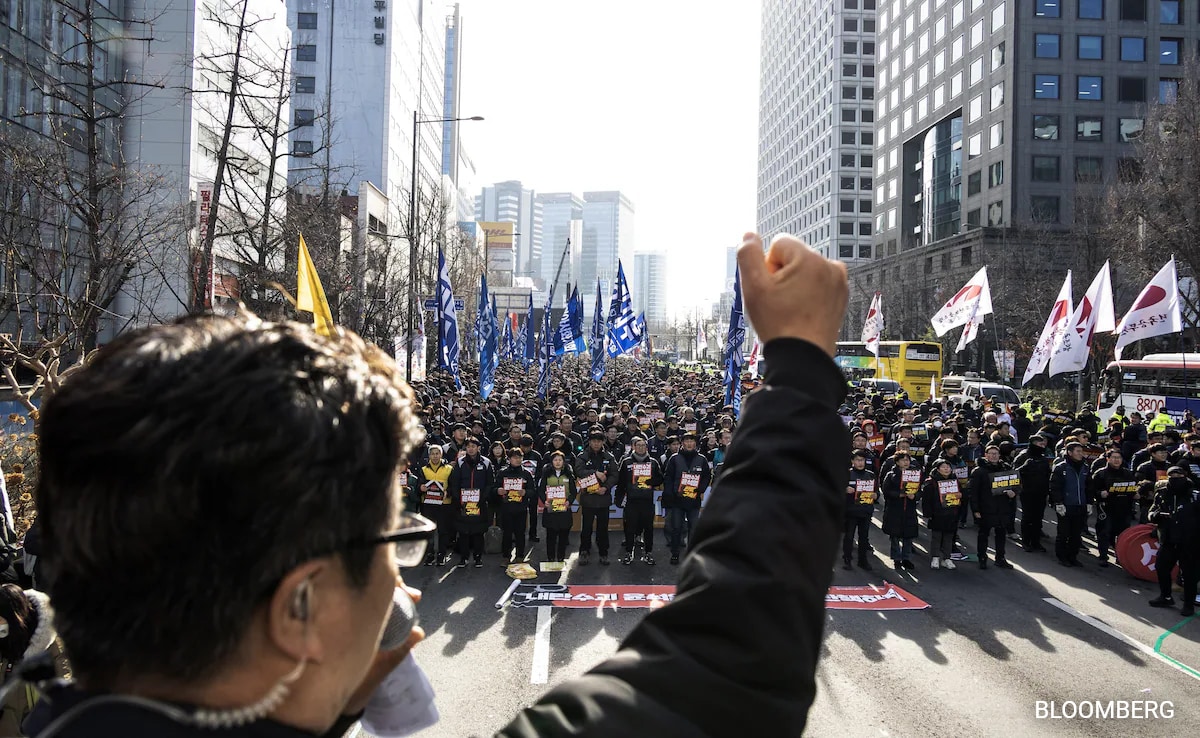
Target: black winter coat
(993, 510)
(899, 511)
(860, 482)
(941, 510)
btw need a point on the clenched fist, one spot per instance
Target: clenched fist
(792, 291)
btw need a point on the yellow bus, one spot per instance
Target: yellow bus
(914, 364)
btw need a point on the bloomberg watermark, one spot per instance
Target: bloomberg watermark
(1104, 710)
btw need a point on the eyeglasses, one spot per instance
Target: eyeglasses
(411, 539)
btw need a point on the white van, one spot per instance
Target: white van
(979, 390)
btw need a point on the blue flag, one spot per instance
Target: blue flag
(623, 328)
(733, 348)
(599, 353)
(447, 322)
(569, 337)
(485, 336)
(509, 345)
(529, 347)
(546, 353)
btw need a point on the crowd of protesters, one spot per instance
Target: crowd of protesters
(650, 439)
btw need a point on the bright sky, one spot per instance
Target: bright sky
(656, 98)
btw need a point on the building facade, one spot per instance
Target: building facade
(816, 123)
(562, 220)
(649, 289)
(510, 201)
(607, 237)
(361, 71)
(994, 113)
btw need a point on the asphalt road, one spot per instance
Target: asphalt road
(976, 662)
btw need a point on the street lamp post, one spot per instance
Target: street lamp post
(413, 238)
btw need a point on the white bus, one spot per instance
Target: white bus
(1154, 382)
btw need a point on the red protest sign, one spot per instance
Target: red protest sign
(872, 597)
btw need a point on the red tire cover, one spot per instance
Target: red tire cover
(1137, 551)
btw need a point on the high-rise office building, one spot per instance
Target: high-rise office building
(649, 291)
(816, 117)
(993, 113)
(562, 219)
(510, 201)
(361, 70)
(607, 237)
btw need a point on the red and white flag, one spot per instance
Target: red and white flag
(973, 301)
(1155, 312)
(753, 362)
(873, 326)
(1057, 323)
(1094, 313)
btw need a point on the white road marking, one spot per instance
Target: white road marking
(540, 673)
(1117, 634)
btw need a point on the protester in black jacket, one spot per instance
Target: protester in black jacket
(471, 486)
(1147, 473)
(993, 510)
(862, 497)
(1071, 495)
(1034, 466)
(595, 474)
(1114, 488)
(1176, 512)
(556, 489)
(900, 508)
(942, 496)
(687, 475)
(637, 480)
(515, 493)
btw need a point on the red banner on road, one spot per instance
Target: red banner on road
(872, 597)
(597, 596)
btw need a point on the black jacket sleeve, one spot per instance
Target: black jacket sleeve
(740, 628)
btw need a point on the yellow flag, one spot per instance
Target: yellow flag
(310, 296)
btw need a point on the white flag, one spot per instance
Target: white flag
(1094, 313)
(1155, 312)
(753, 362)
(701, 339)
(873, 326)
(969, 333)
(974, 300)
(1058, 322)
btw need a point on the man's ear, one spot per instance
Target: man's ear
(295, 609)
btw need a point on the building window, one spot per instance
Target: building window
(998, 56)
(306, 21)
(869, 26)
(1045, 86)
(849, 70)
(1089, 128)
(1131, 89)
(867, 116)
(849, 115)
(996, 213)
(849, 47)
(866, 138)
(845, 228)
(864, 183)
(974, 183)
(1091, 9)
(975, 108)
(846, 250)
(1089, 169)
(847, 183)
(1044, 208)
(1168, 50)
(946, 261)
(974, 146)
(1045, 169)
(1046, 45)
(846, 206)
(1168, 90)
(972, 222)
(306, 52)
(864, 229)
(1047, 8)
(997, 95)
(1131, 128)
(998, 17)
(302, 148)
(850, 4)
(868, 48)
(1133, 48)
(306, 84)
(1133, 10)
(1045, 127)
(1088, 87)
(848, 138)
(1090, 47)
(996, 135)
(868, 70)
(929, 265)
(847, 160)
(850, 25)
(868, 93)
(864, 206)
(849, 93)
(1168, 12)
(305, 117)
(965, 256)
(864, 252)
(996, 174)
(865, 161)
